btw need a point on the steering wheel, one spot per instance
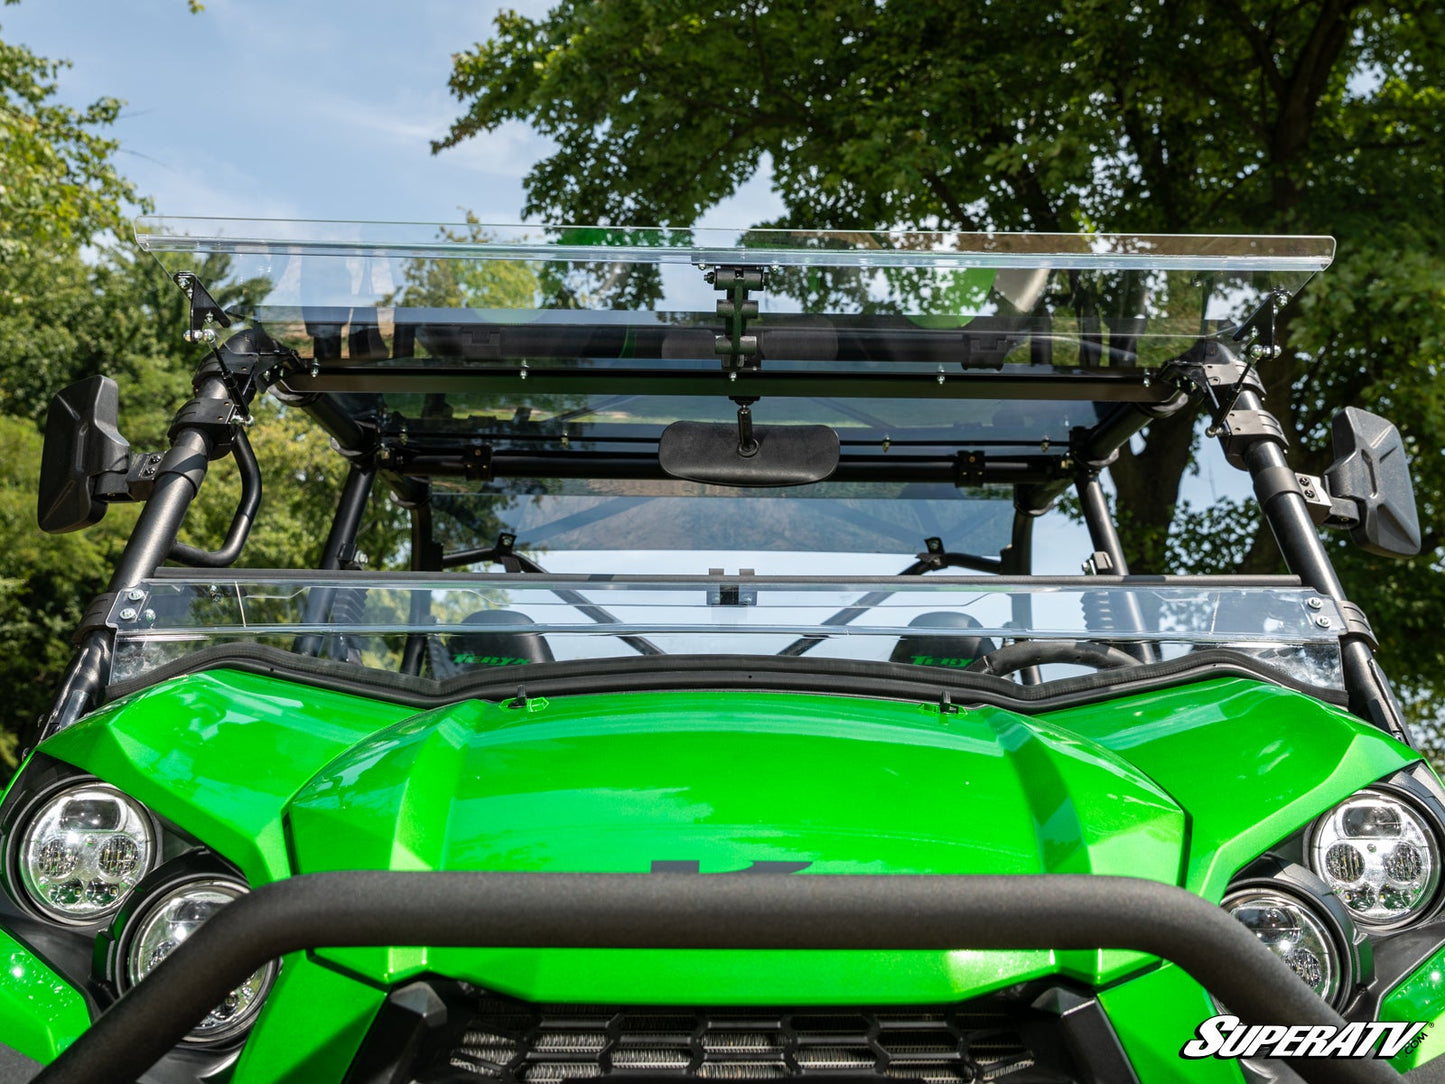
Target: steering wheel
(1014, 657)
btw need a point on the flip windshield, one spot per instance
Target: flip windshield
(566, 296)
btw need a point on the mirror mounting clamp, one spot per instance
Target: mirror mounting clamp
(738, 350)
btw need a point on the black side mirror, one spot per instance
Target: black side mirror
(81, 445)
(1370, 469)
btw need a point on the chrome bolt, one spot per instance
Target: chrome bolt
(128, 614)
(1314, 604)
(1322, 621)
(148, 616)
(135, 595)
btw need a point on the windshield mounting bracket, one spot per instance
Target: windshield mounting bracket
(1258, 328)
(204, 309)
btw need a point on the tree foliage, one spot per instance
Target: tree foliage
(75, 301)
(1246, 116)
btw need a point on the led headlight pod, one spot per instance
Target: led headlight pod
(160, 927)
(1294, 932)
(1379, 855)
(83, 851)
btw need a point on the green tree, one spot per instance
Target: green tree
(75, 301)
(1241, 117)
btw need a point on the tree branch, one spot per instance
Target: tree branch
(939, 188)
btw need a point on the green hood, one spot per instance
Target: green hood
(728, 780)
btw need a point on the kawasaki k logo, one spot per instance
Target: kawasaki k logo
(1226, 1037)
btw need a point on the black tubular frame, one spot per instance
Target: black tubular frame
(241, 522)
(340, 544)
(1105, 539)
(679, 910)
(1261, 449)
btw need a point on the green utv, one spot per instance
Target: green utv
(722, 727)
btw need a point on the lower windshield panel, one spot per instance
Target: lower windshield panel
(445, 626)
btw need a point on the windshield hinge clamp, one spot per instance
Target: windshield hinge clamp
(969, 468)
(96, 616)
(1356, 624)
(204, 309)
(477, 463)
(739, 350)
(732, 594)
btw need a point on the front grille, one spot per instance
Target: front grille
(513, 1042)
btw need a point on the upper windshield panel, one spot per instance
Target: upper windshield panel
(580, 295)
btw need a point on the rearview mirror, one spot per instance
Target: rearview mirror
(779, 455)
(81, 444)
(1370, 469)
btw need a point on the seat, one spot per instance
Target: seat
(953, 651)
(461, 652)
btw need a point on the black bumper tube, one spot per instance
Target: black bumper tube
(597, 910)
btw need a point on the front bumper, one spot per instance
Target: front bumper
(688, 911)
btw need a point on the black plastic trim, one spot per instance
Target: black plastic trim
(660, 673)
(572, 910)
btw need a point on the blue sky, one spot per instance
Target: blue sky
(315, 109)
(274, 109)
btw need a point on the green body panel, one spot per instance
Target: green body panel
(310, 1028)
(1421, 996)
(1154, 1015)
(1251, 763)
(40, 1013)
(221, 753)
(1184, 785)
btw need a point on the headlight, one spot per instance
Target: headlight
(1292, 930)
(83, 852)
(1379, 855)
(162, 924)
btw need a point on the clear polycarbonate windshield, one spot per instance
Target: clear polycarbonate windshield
(568, 296)
(671, 516)
(461, 621)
